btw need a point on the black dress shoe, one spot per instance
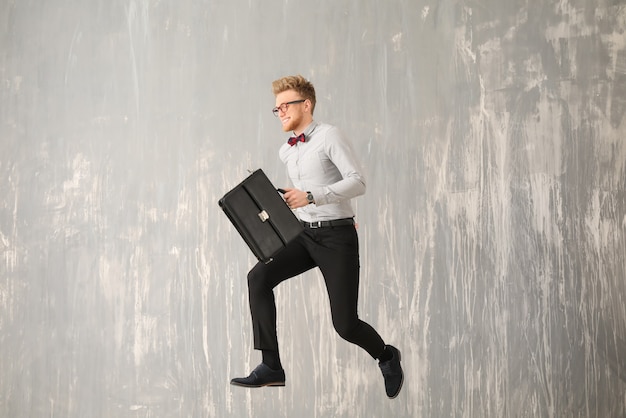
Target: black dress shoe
(392, 372)
(261, 376)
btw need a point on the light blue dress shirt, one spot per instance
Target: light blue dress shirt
(326, 165)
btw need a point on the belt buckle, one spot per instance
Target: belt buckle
(315, 225)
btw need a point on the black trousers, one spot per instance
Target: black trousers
(335, 250)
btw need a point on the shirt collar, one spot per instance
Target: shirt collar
(308, 130)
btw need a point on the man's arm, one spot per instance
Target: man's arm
(352, 184)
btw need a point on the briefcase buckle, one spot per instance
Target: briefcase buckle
(264, 216)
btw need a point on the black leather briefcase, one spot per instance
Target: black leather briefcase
(261, 216)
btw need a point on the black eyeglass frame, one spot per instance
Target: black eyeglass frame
(285, 106)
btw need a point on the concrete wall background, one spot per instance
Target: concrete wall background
(492, 233)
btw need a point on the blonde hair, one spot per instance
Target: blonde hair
(297, 83)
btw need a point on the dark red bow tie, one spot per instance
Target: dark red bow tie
(295, 139)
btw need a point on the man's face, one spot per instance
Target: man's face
(293, 116)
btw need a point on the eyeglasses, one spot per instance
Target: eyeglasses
(283, 107)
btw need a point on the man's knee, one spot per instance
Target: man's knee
(257, 280)
(346, 328)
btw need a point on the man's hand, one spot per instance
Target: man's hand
(295, 198)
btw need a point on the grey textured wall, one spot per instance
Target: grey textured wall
(492, 233)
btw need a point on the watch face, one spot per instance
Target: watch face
(309, 196)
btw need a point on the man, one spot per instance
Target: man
(326, 174)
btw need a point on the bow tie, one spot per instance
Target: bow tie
(295, 139)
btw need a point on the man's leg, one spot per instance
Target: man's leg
(337, 254)
(262, 279)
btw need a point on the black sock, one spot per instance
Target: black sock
(272, 359)
(386, 355)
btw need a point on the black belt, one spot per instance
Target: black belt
(326, 224)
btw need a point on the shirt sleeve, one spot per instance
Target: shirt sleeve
(352, 184)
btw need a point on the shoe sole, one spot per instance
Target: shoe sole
(270, 384)
(402, 381)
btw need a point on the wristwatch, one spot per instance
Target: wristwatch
(309, 197)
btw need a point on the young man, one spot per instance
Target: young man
(326, 174)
